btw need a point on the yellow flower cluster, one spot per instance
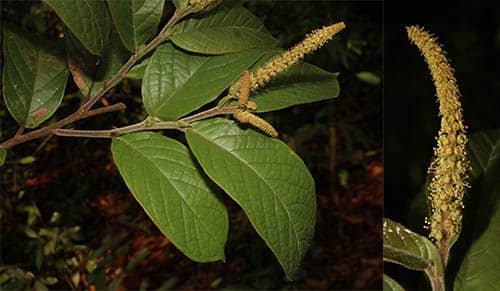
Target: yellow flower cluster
(313, 41)
(247, 117)
(450, 165)
(198, 5)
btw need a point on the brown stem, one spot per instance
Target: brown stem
(436, 280)
(47, 130)
(209, 113)
(19, 131)
(143, 125)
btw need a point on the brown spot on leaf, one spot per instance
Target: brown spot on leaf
(39, 114)
(53, 61)
(75, 68)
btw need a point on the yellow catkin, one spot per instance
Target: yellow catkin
(200, 4)
(450, 165)
(244, 89)
(247, 117)
(313, 41)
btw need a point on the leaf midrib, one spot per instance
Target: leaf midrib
(168, 179)
(264, 180)
(176, 90)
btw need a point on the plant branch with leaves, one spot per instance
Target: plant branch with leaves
(207, 53)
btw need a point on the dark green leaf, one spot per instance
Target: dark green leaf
(222, 31)
(162, 176)
(268, 180)
(302, 83)
(90, 72)
(34, 77)
(391, 284)
(176, 83)
(404, 247)
(135, 20)
(87, 19)
(479, 267)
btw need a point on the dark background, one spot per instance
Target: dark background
(470, 33)
(100, 226)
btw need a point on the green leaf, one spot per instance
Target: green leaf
(87, 19)
(165, 180)
(268, 180)
(302, 83)
(34, 77)
(3, 155)
(479, 267)
(176, 83)
(90, 72)
(181, 4)
(391, 284)
(138, 70)
(409, 249)
(135, 20)
(222, 31)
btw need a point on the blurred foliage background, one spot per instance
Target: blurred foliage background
(470, 33)
(68, 220)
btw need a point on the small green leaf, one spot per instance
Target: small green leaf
(302, 83)
(91, 72)
(404, 247)
(135, 20)
(391, 284)
(34, 77)
(3, 155)
(222, 31)
(481, 222)
(176, 83)
(268, 180)
(87, 19)
(165, 180)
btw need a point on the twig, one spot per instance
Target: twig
(143, 125)
(19, 131)
(209, 113)
(44, 131)
(44, 142)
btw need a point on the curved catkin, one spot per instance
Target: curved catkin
(313, 41)
(247, 117)
(244, 88)
(450, 165)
